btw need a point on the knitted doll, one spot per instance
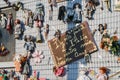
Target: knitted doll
(39, 15)
(29, 45)
(83, 76)
(90, 7)
(46, 32)
(77, 15)
(3, 21)
(10, 23)
(102, 74)
(18, 29)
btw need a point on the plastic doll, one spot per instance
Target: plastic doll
(39, 15)
(57, 34)
(10, 23)
(46, 32)
(3, 21)
(102, 74)
(78, 11)
(18, 29)
(29, 45)
(90, 7)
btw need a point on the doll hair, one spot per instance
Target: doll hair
(28, 37)
(104, 69)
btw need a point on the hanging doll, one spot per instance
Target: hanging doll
(3, 50)
(83, 75)
(39, 15)
(46, 32)
(102, 74)
(3, 21)
(102, 28)
(58, 34)
(10, 23)
(17, 64)
(108, 4)
(90, 7)
(78, 11)
(39, 37)
(62, 13)
(29, 45)
(18, 29)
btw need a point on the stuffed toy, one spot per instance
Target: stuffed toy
(38, 56)
(58, 34)
(18, 29)
(10, 23)
(59, 71)
(39, 15)
(83, 75)
(46, 32)
(29, 44)
(102, 74)
(3, 21)
(3, 51)
(90, 7)
(78, 13)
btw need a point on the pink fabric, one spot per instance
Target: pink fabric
(37, 23)
(37, 56)
(59, 71)
(42, 78)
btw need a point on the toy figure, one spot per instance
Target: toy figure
(102, 74)
(90, 7)
(108, 4)
(29, 45)
(87, 57)
(3, 21)
(39, 15)
(18, 29)
(78, 11)
(83, 76)
(10, 23)
(46, 32)
(59, 71)
(39, 37)
(57, 34)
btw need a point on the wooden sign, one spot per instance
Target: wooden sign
(117, 5)
(72, 45)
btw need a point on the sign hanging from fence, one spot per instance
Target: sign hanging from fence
(72, 45)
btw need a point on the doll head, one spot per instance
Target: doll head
(102, 70)
(10, 15)
(17, 21)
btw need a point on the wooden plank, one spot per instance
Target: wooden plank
(72, 45)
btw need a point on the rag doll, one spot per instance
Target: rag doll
(102, 74)
(46, 32)
(90, 7)
(10, 23)
(3, 21)
(18, 29)
(29, 44)
(78, 11)
(39, 15)
(83, 76)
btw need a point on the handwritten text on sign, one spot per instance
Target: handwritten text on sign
(72, 45)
